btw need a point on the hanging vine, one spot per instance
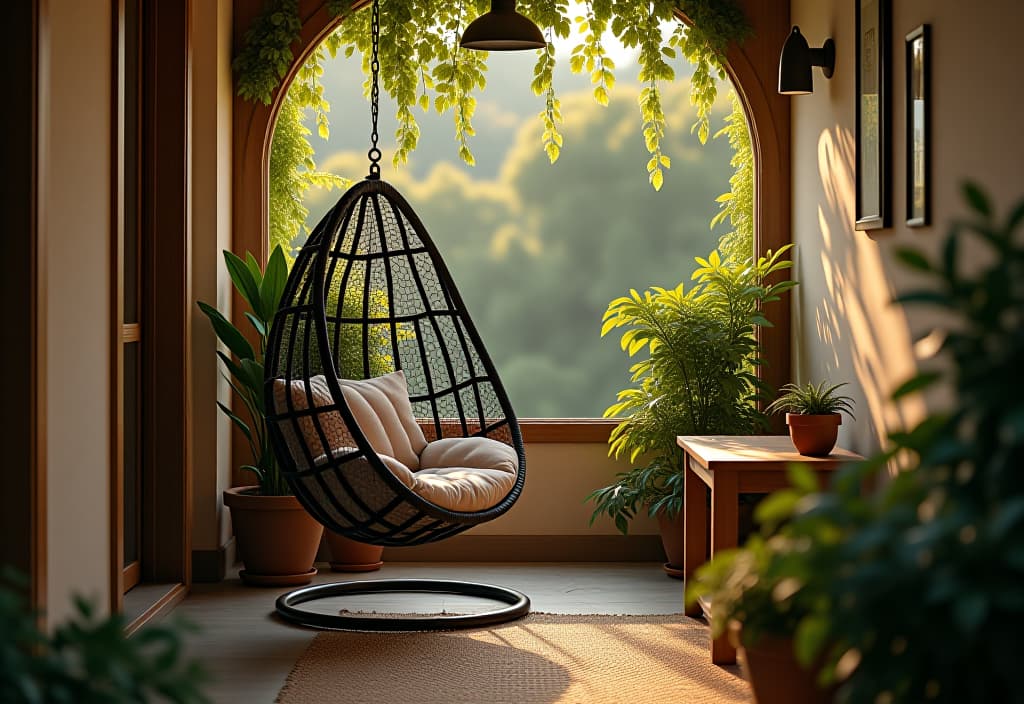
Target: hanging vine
(421, 59)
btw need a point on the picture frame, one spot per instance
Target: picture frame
(918, 111)
(873, 147)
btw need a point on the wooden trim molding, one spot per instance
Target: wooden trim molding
(534, 548)
(162, 606)
(118, 577)
(568, 430)
(753, 69)
(166, 276)
(213, 565)
(23, 502)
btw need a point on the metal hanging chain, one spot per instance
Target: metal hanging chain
(374, 153)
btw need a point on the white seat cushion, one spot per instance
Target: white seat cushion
(459, 474)
(481, 453)
(466, 474)
(463, 488)
(381, 409)
(466, 489)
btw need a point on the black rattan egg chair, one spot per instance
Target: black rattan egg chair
(369, 294)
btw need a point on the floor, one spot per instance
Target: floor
(250, 652)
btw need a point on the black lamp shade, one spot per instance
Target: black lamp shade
(795, 66)
(796, 61)
(502, 29)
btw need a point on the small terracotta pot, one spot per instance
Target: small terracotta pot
(775, 676)
(671, 530)
(814, 436)
(349, 555)
(277, 539)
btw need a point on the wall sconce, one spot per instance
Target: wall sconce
(502, 29)
(796, 60)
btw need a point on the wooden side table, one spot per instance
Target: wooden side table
(729, 465)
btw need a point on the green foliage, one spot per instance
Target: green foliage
(921, 599)
(737, 205)
(348, 349)
(266, 54)
(262, 291)
(293, 170)
(696, 378)
(812, 400)
(90, 660)
(491, 230)
(420, 56)
(716, 24)
(770, 585)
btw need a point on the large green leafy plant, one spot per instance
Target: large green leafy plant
(423, 66)
(912, 593)
(89, 659)
(261, 290)
(696, 377)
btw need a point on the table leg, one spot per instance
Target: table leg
(695, 535)
(724, 535)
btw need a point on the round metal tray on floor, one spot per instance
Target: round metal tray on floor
(517, 605)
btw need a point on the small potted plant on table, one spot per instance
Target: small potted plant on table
(813, 414)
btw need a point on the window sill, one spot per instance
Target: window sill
(567, 430)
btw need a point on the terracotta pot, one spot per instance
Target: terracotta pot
(277, 540)
(349, 555)
(671, 530)
(774, 674)
(814, 436)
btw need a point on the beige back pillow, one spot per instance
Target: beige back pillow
(381, 409)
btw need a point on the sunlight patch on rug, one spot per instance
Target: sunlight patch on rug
(542, 658)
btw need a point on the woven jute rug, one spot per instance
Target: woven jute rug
(542, 658)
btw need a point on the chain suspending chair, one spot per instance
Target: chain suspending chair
(385, 412)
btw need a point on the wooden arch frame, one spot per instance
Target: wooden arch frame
(752, 68)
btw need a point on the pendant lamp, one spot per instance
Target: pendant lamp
(502, 29)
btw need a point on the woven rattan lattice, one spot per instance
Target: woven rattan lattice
(369, 294)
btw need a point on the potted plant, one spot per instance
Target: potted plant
(277, 539)
(698, 377)
(813, 414)
(349, 555)
(915, 592)
(934, 556)
(90, 658)
(759, 594)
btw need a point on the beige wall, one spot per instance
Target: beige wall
(844, 326)
(77, 233)
(558, 477)
(211, 233)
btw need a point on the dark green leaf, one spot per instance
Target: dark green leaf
(246, 284)
(917, 383)
(274, 279)
(977, 199)
(228, 333)
(913, 259)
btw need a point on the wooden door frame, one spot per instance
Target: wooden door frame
(23, 512)
(165, 280)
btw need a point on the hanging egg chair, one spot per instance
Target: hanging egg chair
(385, 412)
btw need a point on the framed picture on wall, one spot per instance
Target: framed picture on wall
(873, 161)
(918, 116)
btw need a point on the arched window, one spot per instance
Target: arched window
(538, 249)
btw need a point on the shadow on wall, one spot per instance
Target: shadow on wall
(845, 324)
